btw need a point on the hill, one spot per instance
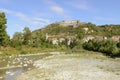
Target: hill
(79, 29)
(73, 34)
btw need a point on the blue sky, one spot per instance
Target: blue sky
(38, 13)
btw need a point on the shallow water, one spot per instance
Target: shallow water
(12, 66)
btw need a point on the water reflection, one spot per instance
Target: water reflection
(11, 66)
(12, 74)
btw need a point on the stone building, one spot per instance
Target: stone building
(71, 23)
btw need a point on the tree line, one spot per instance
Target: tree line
(107, 47)
(25, 38)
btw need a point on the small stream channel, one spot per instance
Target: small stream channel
(12, 66)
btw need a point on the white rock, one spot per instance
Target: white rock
(10, 57)
(1, 77)
(7, 72)
(25, 65)
(12, 74)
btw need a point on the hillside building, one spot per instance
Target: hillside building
(70, 23)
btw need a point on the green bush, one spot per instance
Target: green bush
(107, 47)
(16, 44)
(115, 51)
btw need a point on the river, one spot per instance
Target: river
(13, 66)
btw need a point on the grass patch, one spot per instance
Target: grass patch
(23, 52)
(26, 50)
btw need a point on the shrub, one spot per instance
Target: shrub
(107, 47)
(16, 44)
(115, 51)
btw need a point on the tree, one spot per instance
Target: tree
(38, 39)
(17, 40)
(18, 36)
(26, 35)
(107, 47)
(4, 38)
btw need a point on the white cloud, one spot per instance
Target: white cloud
(50, 2)
(81, 4)
(38, 23)
(22, 16)
(57, 9)
(26, 18)
(20, 26)
(17, 14)
(54, 6)
(42, 20)
(6, 11)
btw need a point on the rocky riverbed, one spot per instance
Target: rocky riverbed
(12, 66)
(74, 67)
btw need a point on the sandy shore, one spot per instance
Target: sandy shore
(73, 67)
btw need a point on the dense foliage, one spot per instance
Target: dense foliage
(4, 38)
(108, 47)
(26, 35)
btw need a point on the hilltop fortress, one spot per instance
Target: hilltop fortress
(71, 23)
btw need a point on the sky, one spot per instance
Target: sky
(36, 14)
